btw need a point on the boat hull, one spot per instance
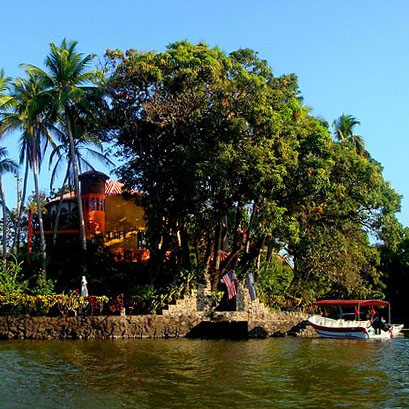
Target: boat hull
(339, 332)
(331, 328)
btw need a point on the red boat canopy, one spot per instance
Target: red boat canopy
(362, 303)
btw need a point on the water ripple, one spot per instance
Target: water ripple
(272, 373)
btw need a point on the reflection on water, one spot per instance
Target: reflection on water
(276, 373)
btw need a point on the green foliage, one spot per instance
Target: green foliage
(216, 297)
(333, 256)
(11, 279)
(215, 133)
(149, 298)
(143, 300)
(395, 265)
(273, 282)
(43, 286)
(65, 305)
(227, 158)
(105, 275)
(222, 148)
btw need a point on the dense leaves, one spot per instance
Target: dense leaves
(230, 159)
(233, 169)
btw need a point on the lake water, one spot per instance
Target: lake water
(270, 373)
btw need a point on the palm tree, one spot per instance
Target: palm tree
(5, 97)
(73, 91)
(6, 165)
(344, 132)
(86, 147)
(28, 114)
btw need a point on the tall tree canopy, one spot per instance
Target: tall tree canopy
(74, 97)
(230, 160)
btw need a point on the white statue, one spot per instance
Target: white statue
(84, 289)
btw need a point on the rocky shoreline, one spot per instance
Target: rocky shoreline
(145, 326)
(191, 316)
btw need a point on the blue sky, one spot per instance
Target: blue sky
(350, 56)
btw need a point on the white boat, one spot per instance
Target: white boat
(352, 328)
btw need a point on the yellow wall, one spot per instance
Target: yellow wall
(123, 215)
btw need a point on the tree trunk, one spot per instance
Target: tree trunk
(40, 216)
(238, 234)
(269, 255)
(260, 251)
(249, 256)
(218, 247)
(29, 236)
(18, 212)
(216, 255)
(253, 214)
(184, 236)
(4, 207)
(208, 254)
(73, 159)
(57, 217)
(20, 208)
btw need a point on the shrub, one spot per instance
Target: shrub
(65, 305)
(11, 279)
(43, 286)
(273, 282)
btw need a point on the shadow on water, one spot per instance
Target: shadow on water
(276, 373)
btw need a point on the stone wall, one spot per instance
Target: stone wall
(136, 326)
(275, 323)
(178, 320)
(104, 327)
(261, 320)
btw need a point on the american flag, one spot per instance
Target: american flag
(230, 284)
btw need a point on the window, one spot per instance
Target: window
(101, 204)
(97, 200)
(141, 243)
(92, 204)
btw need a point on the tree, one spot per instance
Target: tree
(28, 112)
(344, 132)
(332, 252)
(6, 165)
(71, 88)
(229, 159)
(85, 148)
(395, 267)
(5, 98)
(208, 137)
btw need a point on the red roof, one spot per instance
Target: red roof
(112, 188)
(362, 303)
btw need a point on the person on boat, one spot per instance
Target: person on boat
(378, 323)
(384, 325)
